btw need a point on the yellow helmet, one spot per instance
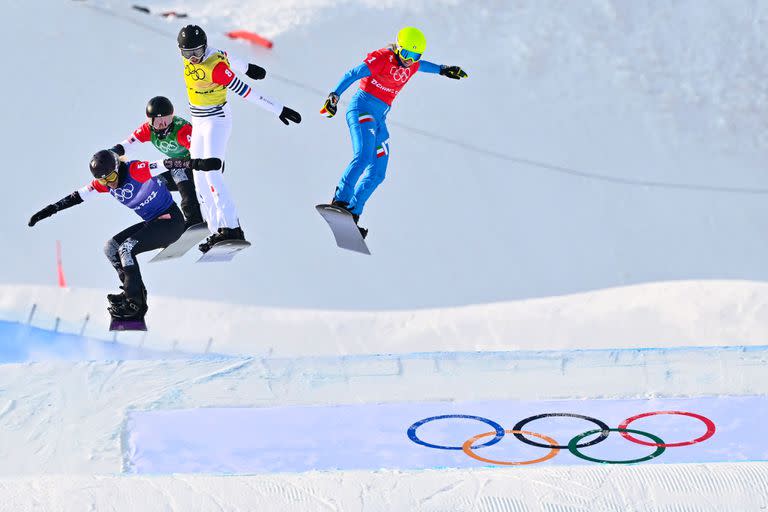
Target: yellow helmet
(411, 39)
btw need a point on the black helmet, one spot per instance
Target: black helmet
(191, 36)
(104, 163)
(159, 106)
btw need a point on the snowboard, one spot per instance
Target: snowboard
(191, 237)
(121, 324)
(223, 251)
(344, 229)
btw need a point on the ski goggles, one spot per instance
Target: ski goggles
(193, 52)
(408, 55)
(109, 178)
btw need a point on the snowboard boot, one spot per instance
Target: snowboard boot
(117, 298)
(231, 234)
(220, 236)
(189, 204)
(193, 220)
(129, 309)
(340, 204)
(336, 202)
(363, 231)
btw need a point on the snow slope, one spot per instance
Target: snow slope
(67, 436)
(709, 488)
(662, 315)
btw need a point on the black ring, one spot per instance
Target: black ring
(604, 429)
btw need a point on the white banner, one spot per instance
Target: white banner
(450, 434)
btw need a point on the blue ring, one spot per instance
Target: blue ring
(498, 428)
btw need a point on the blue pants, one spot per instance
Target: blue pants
(366, 118)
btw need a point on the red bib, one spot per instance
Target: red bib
(387, 75)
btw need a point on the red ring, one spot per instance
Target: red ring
(708, 422)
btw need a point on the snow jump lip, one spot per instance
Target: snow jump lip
(24, 343)
(424, 435)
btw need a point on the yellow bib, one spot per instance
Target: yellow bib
(201, 90)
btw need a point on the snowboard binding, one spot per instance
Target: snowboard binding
(127, 314)
(128, 309)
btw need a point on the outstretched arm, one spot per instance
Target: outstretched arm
(353, 75)
(181, 164)
(454, 72)
(62, 204)
(429, 67)
(223, 75)
(140, 135)
(252, 71)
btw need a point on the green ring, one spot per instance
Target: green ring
(574, 450)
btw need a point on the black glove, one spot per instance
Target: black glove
(177, 163)
(330, 105)
(454, 72)
(288, 114)
(43, 214)
(119, 149)
(205, 164)
(256, 72)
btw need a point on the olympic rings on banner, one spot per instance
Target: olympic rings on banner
(707, 422)
(467, 447)
(604, 430)
(412, 431)
(573, 445)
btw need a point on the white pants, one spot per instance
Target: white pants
(210, 136)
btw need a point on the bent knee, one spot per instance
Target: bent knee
(125, 250)
(360, 161)
(111, 248)
(378, 174)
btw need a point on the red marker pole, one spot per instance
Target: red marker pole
(251, 37)
(59, 266)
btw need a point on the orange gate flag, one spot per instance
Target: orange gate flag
(250, 36)
(59, 266)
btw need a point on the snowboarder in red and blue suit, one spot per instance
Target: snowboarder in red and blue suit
(382, 76)
(133, 184)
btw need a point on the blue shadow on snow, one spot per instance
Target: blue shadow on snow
(20, 343)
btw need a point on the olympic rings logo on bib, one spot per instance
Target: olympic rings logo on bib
(574, 445)
(400, 74)
(194, 72)
(166, 146)
(123, 193)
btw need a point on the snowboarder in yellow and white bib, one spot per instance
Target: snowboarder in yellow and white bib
(209, 74)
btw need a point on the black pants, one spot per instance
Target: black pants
(122, 248)
(183, 182)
